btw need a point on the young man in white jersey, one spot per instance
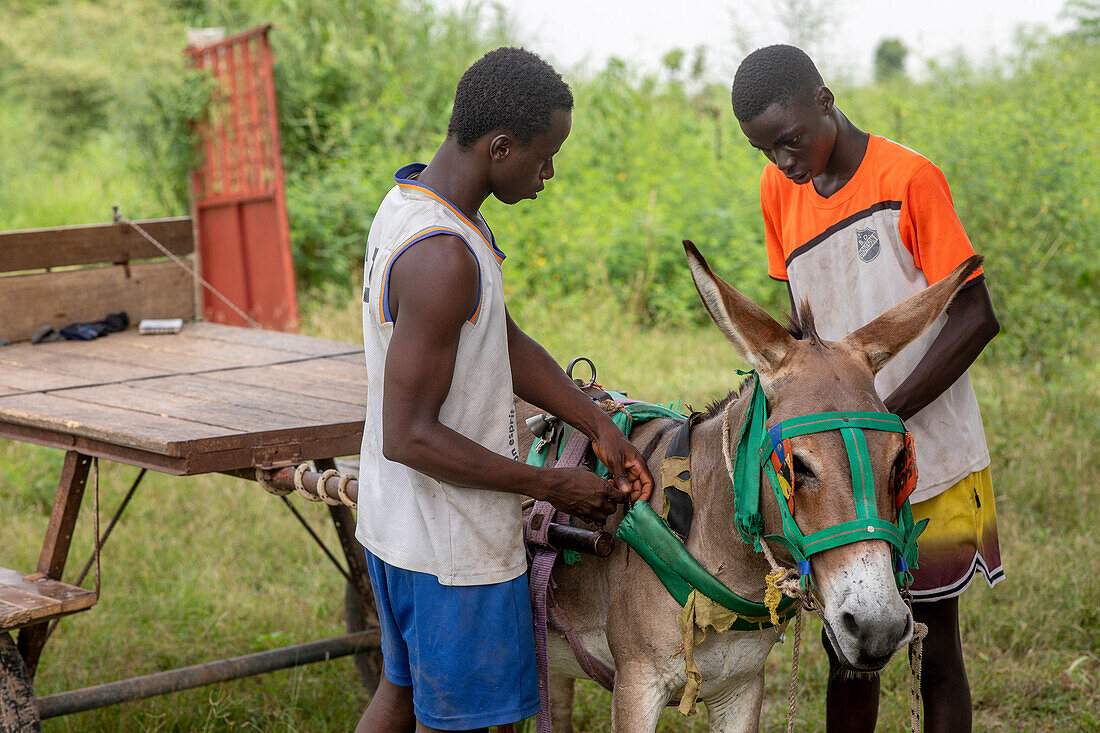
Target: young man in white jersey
(440, 482)
(854, 224)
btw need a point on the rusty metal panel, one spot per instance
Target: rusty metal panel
(240, 204)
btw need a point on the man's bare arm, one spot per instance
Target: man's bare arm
(537, 378)
(971, 324)
(428, 318)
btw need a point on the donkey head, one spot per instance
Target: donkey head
(801, 374)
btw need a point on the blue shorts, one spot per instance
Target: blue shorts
(468, 651)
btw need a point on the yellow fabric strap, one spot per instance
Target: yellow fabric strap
(698, 614)
(671, 469)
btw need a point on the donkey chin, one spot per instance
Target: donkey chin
(866, 620)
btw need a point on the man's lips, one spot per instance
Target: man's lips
(801, 178)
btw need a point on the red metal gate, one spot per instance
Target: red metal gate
(240, 206)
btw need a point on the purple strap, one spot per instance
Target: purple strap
(541, 567)
(573, 453)
(592, 667)
(543, 608)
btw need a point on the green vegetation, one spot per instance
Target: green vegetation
(97, 103)
(94, 108)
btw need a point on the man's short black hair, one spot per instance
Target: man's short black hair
(773, 74)
(507, 89)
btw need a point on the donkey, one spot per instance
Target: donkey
(624, 616)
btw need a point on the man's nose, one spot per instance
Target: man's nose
(547, 171)
(784, 161)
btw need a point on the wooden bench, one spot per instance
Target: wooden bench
(76, 274)
(31, 599)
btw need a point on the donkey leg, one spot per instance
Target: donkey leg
(637, 700)
(561, 703)
(735, 708)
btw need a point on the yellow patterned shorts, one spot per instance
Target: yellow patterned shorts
(960, 539)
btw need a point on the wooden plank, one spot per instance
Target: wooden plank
(143, 290)
(33, 379)
(53, 412)
(199, 354)
(32, 249)
(157, 355)
(41, 591)
(126, 356)
(331, 369)
(24, 605)
(306, 345)
(298, 384)
(62, 361)
(249, 395)
(137, 399)
(321, 442)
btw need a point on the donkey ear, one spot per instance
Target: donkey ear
(755, 335)
(891, 332)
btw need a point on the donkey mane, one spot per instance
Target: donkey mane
(800, 324)
(715, 408)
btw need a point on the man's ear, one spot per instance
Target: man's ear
(825, 100)
(500, 146)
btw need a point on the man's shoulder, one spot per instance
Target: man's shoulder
(896, 161)
(402, 217)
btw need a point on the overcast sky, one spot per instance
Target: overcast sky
(585, 33)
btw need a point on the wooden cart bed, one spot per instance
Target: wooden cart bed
(211, 398)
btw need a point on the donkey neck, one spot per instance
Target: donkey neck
(714, 539)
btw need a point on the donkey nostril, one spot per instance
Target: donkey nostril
(850, 624)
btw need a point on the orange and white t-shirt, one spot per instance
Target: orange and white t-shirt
(888, 233)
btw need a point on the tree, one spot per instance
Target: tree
(808, 23)
(1085, 15)
(890, 60)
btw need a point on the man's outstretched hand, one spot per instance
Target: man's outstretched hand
(629, 471)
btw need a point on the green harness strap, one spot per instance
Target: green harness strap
(680, 573)
(650, 536)
(902, 536)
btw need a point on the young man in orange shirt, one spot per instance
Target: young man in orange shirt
(854, 224)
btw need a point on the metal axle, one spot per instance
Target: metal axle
(160, 683)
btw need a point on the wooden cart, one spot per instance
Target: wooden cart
(211, 398)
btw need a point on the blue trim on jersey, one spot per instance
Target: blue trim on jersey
(385, 305)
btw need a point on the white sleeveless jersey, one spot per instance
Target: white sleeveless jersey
(462, 536)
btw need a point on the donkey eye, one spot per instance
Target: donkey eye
(802, 472)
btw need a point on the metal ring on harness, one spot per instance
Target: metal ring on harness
(569, 371)
(322, 491)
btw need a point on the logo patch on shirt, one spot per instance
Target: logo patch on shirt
(867, 244)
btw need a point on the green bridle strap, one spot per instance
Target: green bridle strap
(902, 536)
(746, 472)
(823, 421)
